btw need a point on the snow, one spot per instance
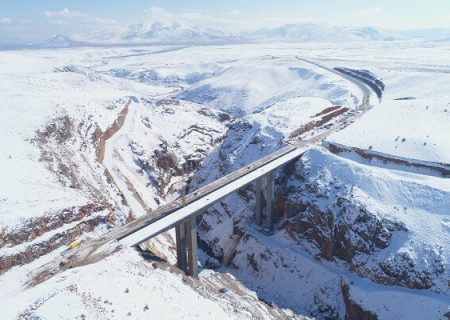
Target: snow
(288, 276)
(416, 128)
(156, 31)
(121, 286)
(271, 93)
(252, 85)
(165, 28)
(32, 95)
(310, 32)
(422, 202)
(288, 115)
(186, 129)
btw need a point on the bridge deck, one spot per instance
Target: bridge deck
(196, 207)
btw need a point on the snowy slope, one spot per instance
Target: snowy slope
(279, 270)
(34, 95)
(365, 202)
(127, 286)
(252, 85)
(160, 144)
(412, 120)
(60, 41)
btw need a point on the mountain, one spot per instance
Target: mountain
(60, 41)
(318, 33)
(180, 32)
(425, 34)
(157, 32)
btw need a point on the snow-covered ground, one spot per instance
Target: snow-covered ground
(127, 286)
(408, 212)
(253, 85)
(412, 120)
(195, 114)
(177, 134)
(34, 93)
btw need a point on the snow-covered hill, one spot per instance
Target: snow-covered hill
(255, 84)
(60, 41)
(318, 33)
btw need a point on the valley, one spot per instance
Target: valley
(361, 219)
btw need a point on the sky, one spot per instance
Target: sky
(35, 20)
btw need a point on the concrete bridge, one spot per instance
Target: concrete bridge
(183, 219)
(180, 214)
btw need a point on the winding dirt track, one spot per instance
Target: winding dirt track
(100, 248)
(111, 131)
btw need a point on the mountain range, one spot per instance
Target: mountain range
(183, 33)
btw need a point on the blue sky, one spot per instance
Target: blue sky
(39, 19)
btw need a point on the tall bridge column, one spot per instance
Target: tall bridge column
(269, 200)
(180, 233)
(186, 238)
(264, 199)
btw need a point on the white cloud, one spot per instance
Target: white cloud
(25, 21)
(233, 20)
(446, 18)
(65, 13)
(58, 22)
(5, 21)
(367, 13)
(76, 20)
(103, 21)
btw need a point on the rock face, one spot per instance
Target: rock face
(69, 149)
(366, 221)
(164, 142)
(354, 310)
(33, 240)
(344, 222)
(355, 231)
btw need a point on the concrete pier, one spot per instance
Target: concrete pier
(264, 200)
(186, 238)
(180, 233)
(192, 259)
(269, 200)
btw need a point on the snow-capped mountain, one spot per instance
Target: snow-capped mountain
(157, 32)
(180, 32)
(318, 33)
(60, 41)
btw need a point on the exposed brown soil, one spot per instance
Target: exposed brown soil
(116, 126)
(36, 227)
(318, 123)
(326, 110)
(39, 249)
(62, 132)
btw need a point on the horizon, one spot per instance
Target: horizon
(45, 19)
